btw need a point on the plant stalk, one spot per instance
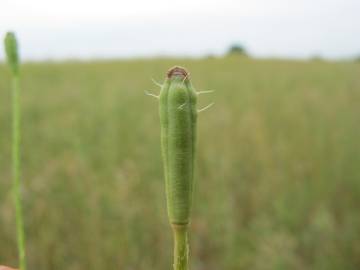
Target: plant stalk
(181, 247)
(16, 185)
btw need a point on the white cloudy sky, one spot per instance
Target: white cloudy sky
(113, 28)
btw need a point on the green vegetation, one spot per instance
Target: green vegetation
(277, 166)
(178, 115)
(12, 55)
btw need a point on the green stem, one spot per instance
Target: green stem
(181, 247)
(16, 188)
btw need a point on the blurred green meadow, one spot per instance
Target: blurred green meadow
(278, 166)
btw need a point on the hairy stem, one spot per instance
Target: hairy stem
(16, 187)
(181, 247)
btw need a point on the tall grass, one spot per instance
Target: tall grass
(277, 166)
(11, 49)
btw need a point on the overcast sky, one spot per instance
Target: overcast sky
(114, 28)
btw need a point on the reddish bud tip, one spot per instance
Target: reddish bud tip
(176, 71)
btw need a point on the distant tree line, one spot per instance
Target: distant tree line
(237, 49)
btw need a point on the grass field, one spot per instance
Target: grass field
(278, 175)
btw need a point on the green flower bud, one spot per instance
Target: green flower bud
(11, 50)
(178, 116)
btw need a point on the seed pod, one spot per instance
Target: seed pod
(11, 50)
(178, 116)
